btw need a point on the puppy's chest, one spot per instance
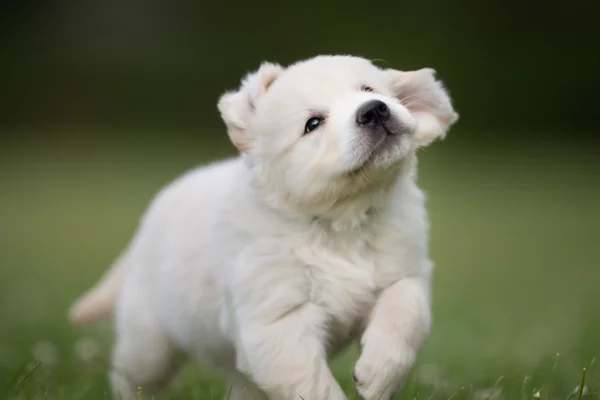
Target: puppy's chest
(347, 274)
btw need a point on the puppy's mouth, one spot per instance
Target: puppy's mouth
(382, 141)
(386, 136)
(387, 130)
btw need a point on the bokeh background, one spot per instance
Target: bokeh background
(102, 103)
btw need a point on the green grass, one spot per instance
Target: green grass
(515, 234)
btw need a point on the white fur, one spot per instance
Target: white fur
(266, 265)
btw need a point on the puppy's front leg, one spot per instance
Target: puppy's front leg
(398, 326)
(279, 333)
(286, 357)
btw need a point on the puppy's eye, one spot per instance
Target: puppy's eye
(366, 88)
(312, 124)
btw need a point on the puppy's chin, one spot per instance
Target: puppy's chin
(381, 151)
(390, 153)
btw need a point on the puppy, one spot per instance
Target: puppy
(266, 265)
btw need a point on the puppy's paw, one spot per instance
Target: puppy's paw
(382, 368)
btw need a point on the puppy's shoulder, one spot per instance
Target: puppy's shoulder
(400, 234)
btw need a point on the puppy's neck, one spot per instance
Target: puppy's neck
(352, 212)
(355, 212)
(352, 216)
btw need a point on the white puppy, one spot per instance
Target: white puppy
(266, 265)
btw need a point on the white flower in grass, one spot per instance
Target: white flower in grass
(45, 352)
(86, 349)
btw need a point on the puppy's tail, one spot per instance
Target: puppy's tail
(99, 301)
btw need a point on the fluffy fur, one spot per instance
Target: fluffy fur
(264, 266)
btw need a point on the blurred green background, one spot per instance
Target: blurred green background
(102, 103)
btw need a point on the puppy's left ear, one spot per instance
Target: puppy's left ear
(427, 100)
(237, 107)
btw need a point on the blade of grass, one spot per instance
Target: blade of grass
(13, 381)
(582, 385)
(24, 378)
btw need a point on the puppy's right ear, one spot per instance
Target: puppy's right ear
(237, 107)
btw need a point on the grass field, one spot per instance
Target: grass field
(515, 236)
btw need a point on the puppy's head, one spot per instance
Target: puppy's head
(332, 127)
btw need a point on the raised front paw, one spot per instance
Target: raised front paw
(382, 369)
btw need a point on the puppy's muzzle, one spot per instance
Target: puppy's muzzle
(372, 114)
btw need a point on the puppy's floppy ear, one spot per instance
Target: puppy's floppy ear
(427, 100)
(237, 107)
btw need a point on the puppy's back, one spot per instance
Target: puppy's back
(184, 202)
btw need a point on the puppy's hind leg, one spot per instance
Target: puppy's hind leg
(144, 360)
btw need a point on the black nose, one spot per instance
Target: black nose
(372, 113)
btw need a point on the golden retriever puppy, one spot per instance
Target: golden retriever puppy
(265, 265)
